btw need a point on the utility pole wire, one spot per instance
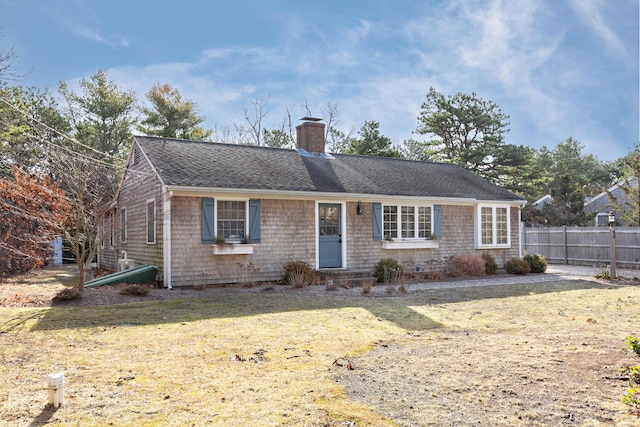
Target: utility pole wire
(62, 134)
(70, 138)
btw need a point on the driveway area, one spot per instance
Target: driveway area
(554, 273)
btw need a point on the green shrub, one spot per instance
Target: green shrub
(604, 274)
(517, 266)
(490, 265)
(634, 373)
(633, 343)
(537, 263)
(387, 270)
(466, 265)
(298, 274)
(632, 399)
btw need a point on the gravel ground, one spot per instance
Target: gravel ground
(27, 290)
(554, 273)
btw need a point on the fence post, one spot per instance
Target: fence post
(564, 241)
(612, 250)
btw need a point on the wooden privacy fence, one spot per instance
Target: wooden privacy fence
(583, 245)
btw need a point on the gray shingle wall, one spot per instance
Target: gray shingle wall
(603, 204)
(107, 253)
(458, 238)
(288, 226)
(140, 185)
(286, 234)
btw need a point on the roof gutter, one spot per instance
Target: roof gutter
(178, 190)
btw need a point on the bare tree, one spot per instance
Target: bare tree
(89, 184)
(308, 109)
(283, 136)
(338, 140)
(255, 121)
(289, 123)
(237, 134)
(8, 62)
(225, 134)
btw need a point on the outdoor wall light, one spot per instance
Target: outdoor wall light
(360, 210)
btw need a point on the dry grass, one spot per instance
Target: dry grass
(536, 360)
(36, 287)
(539, 354)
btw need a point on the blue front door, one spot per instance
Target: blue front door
(329, 236)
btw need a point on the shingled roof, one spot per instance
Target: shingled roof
(214, 165)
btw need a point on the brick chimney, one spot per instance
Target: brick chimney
(310, 135)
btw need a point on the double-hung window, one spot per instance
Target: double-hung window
(231, 220)
(151, 222)
(407, 222)
(493, 226)
(123, 225)
(102, 232)
(112, 229)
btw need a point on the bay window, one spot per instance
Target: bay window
(493, 226)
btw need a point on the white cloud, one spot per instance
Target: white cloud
(506, 41)
(94, 35)
(510, 52)
(590, 11)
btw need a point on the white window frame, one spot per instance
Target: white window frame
(123, 225)
(416, 222)
(246, 217)
(151, 201)
(494, 228)
(101, 232)
(112, 229)
(601, 215)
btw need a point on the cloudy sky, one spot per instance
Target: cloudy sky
(559, 68)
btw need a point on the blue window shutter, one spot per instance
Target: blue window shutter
(208, 225)
(254, 221)
(437, 221)
(377, 221)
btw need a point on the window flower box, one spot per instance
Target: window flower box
(234, 249)
(410, 244)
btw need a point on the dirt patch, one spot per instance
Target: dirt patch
(38, 287)
(475, 386)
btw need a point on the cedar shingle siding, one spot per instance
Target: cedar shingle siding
(140, 185)
(283, 188)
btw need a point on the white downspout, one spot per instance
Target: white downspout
(166, 238)
(521, 231)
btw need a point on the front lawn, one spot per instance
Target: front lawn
(537, 354)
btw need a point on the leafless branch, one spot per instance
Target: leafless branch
(255, 121)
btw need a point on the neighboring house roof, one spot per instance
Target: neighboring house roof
(601, 202)
(182, 163)
(539, 204)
